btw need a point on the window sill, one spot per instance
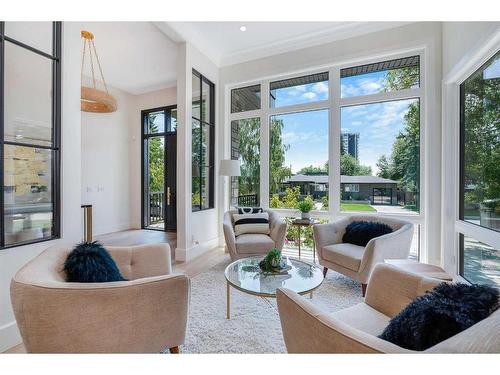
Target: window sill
(27, 243)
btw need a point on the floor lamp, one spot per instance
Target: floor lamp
(229, 168)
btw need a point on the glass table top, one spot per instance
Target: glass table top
(245, 275)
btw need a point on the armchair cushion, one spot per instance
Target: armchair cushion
(344, 254)
(90, 262)
(363, 317)
(254, 243)
(441, 313)
(361, 232)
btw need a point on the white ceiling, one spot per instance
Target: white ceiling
(225, 44)
(135, 56)
(139, 57)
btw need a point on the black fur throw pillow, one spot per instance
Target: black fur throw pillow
(441, 313)
(90, 262)
(361, 232)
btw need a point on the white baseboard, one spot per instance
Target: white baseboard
(184, 255)
(106, 229)
(9, 336)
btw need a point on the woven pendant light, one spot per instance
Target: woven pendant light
(92, 99)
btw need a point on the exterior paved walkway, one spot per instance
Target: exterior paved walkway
(393, 209)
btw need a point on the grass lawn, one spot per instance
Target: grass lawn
(356, 207)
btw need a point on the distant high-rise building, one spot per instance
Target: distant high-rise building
(349, 144)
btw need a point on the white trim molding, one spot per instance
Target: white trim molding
(10, 336)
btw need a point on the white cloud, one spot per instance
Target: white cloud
(320, 87)
(362, 86)
(309, 95)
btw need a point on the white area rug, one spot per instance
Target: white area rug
(254, 326)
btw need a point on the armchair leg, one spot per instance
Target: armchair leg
(325, 270)
(174, 350)
(363, 289)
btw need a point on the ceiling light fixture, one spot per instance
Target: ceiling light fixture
(93, 99)
(243, 28)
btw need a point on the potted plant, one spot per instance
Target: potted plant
(305, 208)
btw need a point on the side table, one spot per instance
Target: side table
(305, 223)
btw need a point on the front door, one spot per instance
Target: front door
(159, 165)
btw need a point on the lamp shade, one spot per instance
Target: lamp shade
(229, 168)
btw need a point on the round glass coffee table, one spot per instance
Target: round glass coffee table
(244, 274)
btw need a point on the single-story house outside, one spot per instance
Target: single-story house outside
(373, 189)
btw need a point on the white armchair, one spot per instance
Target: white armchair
(308, 329)
(355, 261)
(247, 245)
(146, 314)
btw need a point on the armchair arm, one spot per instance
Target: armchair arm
(229, 235)
(307, 329)
(144, 315)
(395, 245)
(278, 229)
(142, 261)
(390, 289)
(328, 234)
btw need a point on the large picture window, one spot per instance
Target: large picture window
(30, 117)
(380, 140)
(384, 158)
(298, 159)
(480, 170)
(347, 139)
(203, 142)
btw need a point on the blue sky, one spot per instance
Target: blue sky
(307, 133)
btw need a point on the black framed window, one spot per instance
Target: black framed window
(480, 171)
(203, 142)
(30, 136)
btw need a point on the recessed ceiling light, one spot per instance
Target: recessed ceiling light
(243, 28)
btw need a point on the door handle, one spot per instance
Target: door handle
(168, 195)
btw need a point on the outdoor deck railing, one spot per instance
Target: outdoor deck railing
(248, 200)
(156, 204)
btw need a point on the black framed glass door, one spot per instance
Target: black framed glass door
(159, 166)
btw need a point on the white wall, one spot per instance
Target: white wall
(410, 37)
(460, 37)
(106, 165)
(111, 159)
(12, 259)
(196, 231)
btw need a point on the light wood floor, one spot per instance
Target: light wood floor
(141, 237)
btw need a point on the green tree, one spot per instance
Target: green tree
(248, 131)
(482, 139)
(156, 165)
(384, 167)
(275, 201)
(403, 165)
(314, 171)
(349, 166)
(403, 78)
(291, 198)
(278, 172)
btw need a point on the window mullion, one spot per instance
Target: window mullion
(2, 65)
(334, 143)
(381, 97)
(264, 145)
